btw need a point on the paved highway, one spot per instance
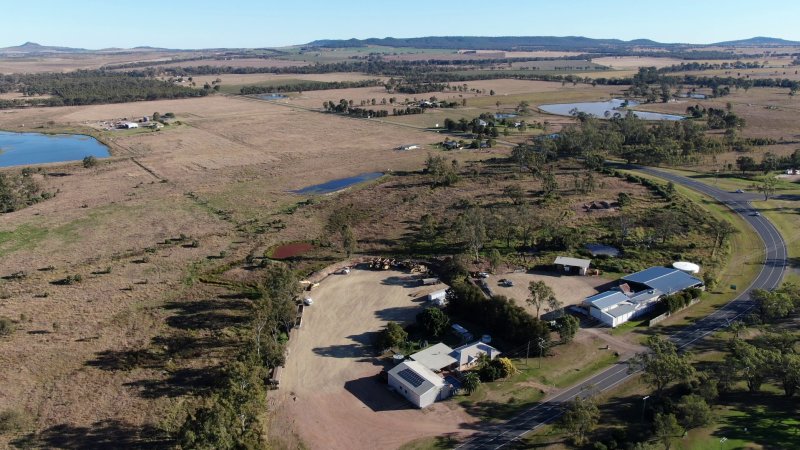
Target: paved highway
(772, 271)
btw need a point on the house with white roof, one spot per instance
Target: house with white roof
(435, 357)
(467, 356)
(418, 384)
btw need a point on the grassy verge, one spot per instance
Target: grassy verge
(743, 422)
(504, 398)
(783, 210)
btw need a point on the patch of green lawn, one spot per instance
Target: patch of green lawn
(23, 237)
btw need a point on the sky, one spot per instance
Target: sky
(193, 24)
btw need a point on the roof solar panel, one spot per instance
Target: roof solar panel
(412, 377)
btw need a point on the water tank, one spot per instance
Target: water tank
(686, 266)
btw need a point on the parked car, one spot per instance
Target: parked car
(506, 283)
(483, 275)
(308, 301)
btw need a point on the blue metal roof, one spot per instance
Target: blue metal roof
(606, 299)
(664, 279)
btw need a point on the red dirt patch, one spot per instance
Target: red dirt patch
(289, 250)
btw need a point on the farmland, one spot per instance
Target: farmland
(131, 290)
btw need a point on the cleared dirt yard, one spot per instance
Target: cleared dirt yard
(329, 386)
(569, 289)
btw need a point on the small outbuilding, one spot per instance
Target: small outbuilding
(573, 265)
(438, 298)
(418, 384)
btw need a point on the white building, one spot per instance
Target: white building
(571, 265)
(467, 355)
(638, 295)
(435, 357)
(438, 297)
(418, 384)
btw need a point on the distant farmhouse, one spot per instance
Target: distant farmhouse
(638, 294)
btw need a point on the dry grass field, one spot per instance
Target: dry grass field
(238, 62)
(72, 62)
(256, 78)
(634, 62)
(241, 155)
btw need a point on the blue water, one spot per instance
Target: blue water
(338, 185)
(504, 116)
(271, 96)
(605, 110)
(20, 149)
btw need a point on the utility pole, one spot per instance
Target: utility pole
(541, 351)
(527, 353)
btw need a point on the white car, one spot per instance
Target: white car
(308, 301)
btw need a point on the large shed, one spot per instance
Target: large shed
(573, 265)
(418, 384)
(664, 279)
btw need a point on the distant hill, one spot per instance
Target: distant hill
(32, 47)
(490, 43)
(759, 40)
(577, 43)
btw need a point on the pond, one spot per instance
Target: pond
(605, 110)
(20, 149)
(339, 184)
(504, 115)
(272, 96)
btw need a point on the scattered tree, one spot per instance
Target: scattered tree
(540, 295)
(662, 365)
(392, 336)
(434, 321)
(666, 428)
(580, 418)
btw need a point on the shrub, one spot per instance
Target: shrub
(12, 421)
(392, 336)
(6, 326)
(89, 162)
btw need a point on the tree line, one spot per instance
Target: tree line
(233, 416)
(89, 87)
(309, 85)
